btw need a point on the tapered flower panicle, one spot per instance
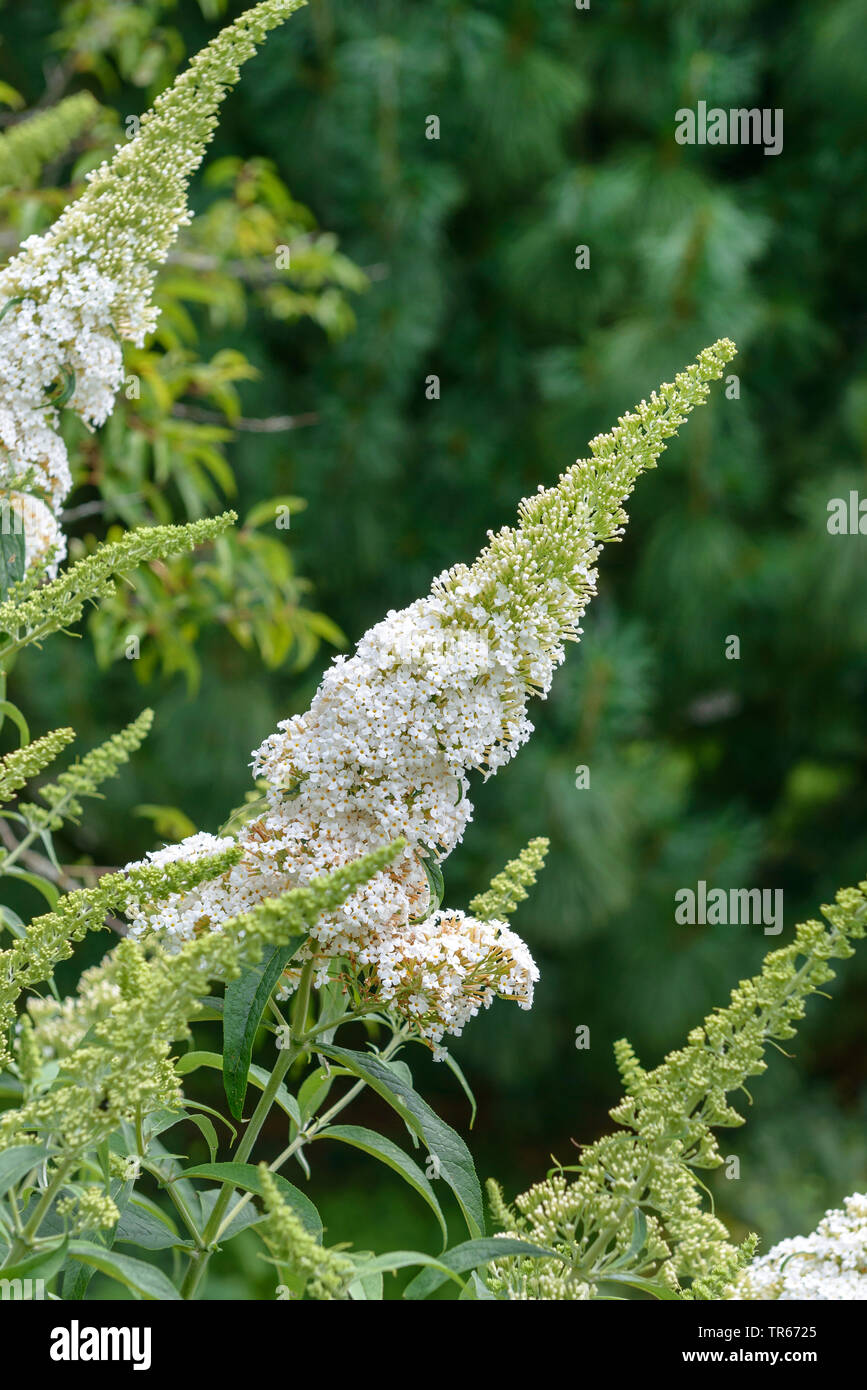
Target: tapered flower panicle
(432, 694)
(636, 1206)
(71, 295)
(25, 148)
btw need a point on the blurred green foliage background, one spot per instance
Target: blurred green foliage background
(455, 257)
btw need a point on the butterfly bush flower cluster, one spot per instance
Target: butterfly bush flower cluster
(831, 1263)
(431, 695)
(71, 295)
(56, 347)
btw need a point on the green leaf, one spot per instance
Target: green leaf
(247, 1216)
(241, 815)
(212, 1009)
(403, 1259)
(169, 823)
(368, 1287)
(435, 882)
(314, 1090)
(15, 1163)
(63, 389)
(144, 1280)
(42, 885)
(455, 1161)
(472, 1254)
(13, 923)
(42, 1265)
(191, 1061)
(465, 1085)
(18, 298)
(167, 1168)
(266, 512)
(639, 1234)
(138, 1226)
(103, 1153)
(379, 1147)
(208, 1132)
(475, 1291)
(636, 1281)
(159, 1121)
(10, 711)
(10, 97)
(75, 1281)
(245, 1002)
(286, 1101)
(246, 1176)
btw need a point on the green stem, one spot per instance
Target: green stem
(16, 853)
(22, 1243)
(199, 1261)
(180, 1206)
(314, 1129)
(344, 1018)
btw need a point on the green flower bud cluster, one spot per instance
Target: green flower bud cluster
(549, 558)
(61, 603)
(716, 1285)
(50, 938)
(71, 296)
(27, 1053)
(25, 148)
(509, 887)
(21, 764)
(130, 213)
(121, 1069)
(89, 1210)
(86, 776)
(319, 1272)
(637, 1206)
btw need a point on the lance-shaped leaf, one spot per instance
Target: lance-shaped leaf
(246, 1176)
(144, 1280)
(379, 1147)
(448, 1148)
(12, 549)
(245, 1002)
(472, 1255)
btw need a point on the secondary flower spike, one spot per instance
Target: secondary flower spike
(432, 694)
(72, 294)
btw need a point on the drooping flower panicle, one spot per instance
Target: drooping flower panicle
(72, 294)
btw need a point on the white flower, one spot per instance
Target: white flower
(70, 295)
(829, 1264)
(443, 970)
(41, 531)
(432, 694)
(182, 914)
